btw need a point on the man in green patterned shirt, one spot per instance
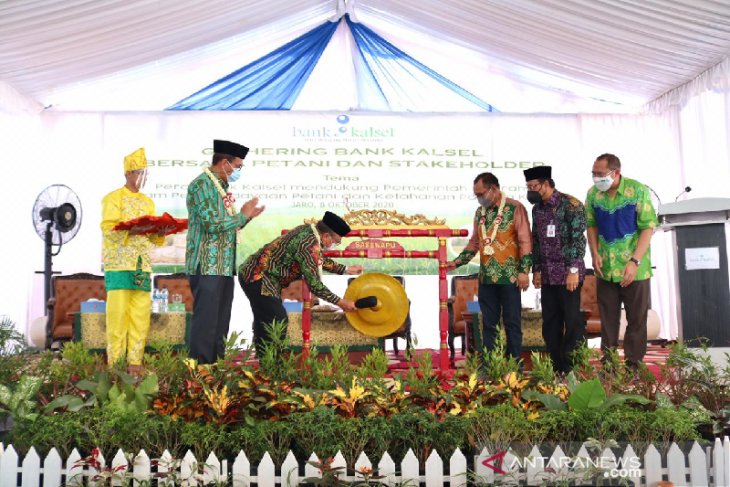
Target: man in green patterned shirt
(620, 220)
(294, 255)
(210, 254)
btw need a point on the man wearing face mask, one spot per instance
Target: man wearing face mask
(294, 255)
(621, 220)
(559, 246)
(503, 240)
(210, 255)
(127, 269)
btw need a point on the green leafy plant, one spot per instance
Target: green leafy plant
(20, 401)
(689, 373)
(78, 360)
(587, 395)
(236, 350)
(374, 365)
(167, 364)
(12, 342)
(496, 362)
(124, 395)
(12, 351)
(275, 360)
(584, 359)
(420, 381)
(542, 370)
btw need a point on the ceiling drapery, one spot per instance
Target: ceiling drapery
(391, 80)
(562, 55)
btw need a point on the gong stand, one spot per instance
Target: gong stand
(369, 224)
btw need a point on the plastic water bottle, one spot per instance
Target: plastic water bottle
(164, 299)
(155, 300)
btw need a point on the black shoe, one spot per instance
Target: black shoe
(631, 365)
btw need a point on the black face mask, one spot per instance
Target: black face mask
(534, 197)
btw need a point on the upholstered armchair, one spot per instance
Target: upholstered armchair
(294, 292)
(68, 293)
(176, 284)
(589, 307)
(463, 290)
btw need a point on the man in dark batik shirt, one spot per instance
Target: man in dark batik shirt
(292, 256)
(559, 246)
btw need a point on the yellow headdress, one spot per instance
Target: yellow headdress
(135, 160)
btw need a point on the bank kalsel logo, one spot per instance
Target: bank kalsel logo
(343, 129)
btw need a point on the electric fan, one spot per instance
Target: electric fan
(56, 219)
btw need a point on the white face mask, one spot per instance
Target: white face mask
(332, 246)
(486, 200)
(603, 183)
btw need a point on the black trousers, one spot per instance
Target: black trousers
(265, 310)
(502, 301)
(212, 301)
(563, 325)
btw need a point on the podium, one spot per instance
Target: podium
(700, 228)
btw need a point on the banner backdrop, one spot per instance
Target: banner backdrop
(303, 163)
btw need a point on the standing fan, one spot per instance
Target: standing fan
(56, 219)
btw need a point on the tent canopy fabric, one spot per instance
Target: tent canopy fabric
(579, 55)
(391, 79)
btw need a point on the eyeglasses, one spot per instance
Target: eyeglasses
(602, 175)
(480, 195)
(233, 168)
(534, 187)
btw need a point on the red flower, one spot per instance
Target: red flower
(228, 200)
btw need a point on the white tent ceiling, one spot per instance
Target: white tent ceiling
(582, 55)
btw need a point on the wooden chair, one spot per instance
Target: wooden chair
(463, 290)
(176, 284)
(68, 293)
(404, 331)
(589, 305)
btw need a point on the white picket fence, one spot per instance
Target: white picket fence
(700, 467)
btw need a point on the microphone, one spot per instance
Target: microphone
(687, 189)
(655, 194)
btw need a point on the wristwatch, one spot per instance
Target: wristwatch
(635, 261)
(573, 270)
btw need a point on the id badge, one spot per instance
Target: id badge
(551, 231)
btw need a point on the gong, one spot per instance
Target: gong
(382, 304)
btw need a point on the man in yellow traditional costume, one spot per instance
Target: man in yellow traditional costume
(127, 266)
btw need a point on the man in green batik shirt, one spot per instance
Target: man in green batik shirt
(210, 254)
(620, 220)
(503, 239)
(294, 255)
